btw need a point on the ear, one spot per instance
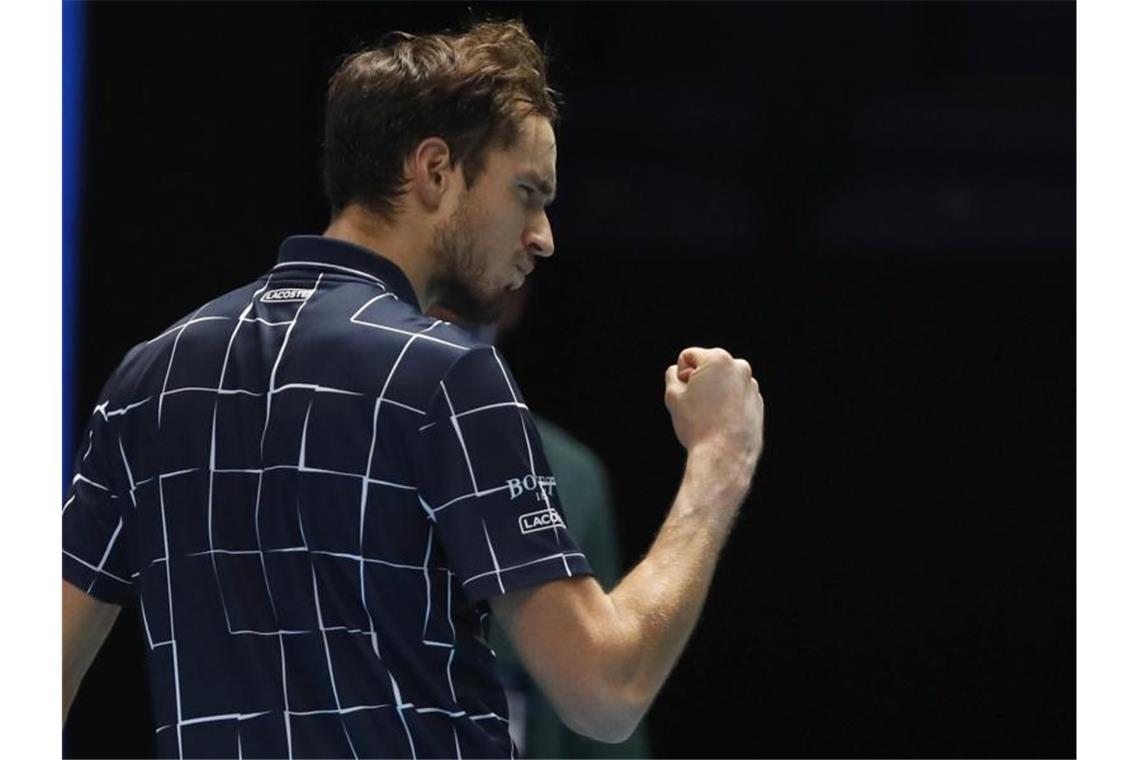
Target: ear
(431, 173)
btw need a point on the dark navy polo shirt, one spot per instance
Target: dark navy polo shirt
(313, 489)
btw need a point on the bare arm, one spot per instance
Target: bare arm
(86, 623)
(602, 658)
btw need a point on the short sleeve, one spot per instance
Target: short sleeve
(485, 482)
(97, 519)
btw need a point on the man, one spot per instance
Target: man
(320, 494)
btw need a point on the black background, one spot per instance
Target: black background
(872, 203)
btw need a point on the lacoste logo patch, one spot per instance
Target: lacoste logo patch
(544, 519)
(286, 295)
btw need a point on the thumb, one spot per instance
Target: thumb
(691, 359)
(672, 381)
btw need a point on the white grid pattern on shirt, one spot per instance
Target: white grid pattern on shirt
(366, 481)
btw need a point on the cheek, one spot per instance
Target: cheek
(499, 248)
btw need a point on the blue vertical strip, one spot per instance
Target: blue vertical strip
(74, 37)
(74, 32)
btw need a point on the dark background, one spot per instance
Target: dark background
(872, 203)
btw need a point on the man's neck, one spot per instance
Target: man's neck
(400, 245)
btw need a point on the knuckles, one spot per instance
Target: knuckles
(715, 357)
(720, 356)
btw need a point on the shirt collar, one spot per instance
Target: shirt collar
(341, 257)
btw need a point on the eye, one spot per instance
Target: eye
(528, 190)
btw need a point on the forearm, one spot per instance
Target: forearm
(602, 658)
(86, 623)
(659, 602)
(75, 666)
(70, 688)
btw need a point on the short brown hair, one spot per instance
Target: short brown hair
(470, 89)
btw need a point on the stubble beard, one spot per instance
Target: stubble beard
(456, 287)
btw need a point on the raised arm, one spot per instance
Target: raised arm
(86, 623)
(602, 658)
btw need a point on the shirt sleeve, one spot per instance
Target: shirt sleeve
(98, 518)
(485, 482)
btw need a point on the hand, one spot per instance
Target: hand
(715, 403)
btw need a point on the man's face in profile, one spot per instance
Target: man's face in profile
(489, 245)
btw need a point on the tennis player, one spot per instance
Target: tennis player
(319, 494)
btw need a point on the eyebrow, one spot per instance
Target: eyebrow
(541, 184)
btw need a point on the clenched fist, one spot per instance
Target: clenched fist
(715, 403)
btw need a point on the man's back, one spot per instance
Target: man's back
(314, 488)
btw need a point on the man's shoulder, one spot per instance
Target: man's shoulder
(389, 345)
(383, 318)
(145, 365)
(433, 354)
(384, 328)
(478, 379)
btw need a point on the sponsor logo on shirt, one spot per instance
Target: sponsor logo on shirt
(543, 519)
(286, 295)
(541, 485)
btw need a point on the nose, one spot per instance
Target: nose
(539, 237)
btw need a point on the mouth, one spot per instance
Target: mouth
(522, 272)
